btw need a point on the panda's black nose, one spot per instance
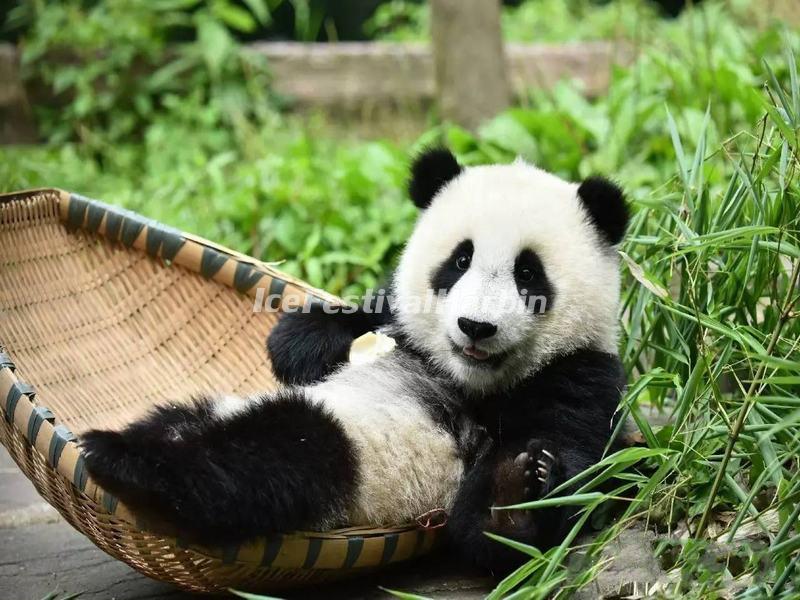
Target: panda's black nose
(476, 330)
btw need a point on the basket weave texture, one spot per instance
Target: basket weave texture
(103, 314)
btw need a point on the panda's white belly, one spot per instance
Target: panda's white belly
(408, 464)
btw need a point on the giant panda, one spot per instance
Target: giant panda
(504, 390)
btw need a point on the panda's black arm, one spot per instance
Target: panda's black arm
(561, 420)
(305, 347)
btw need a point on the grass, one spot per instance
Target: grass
(702, 130)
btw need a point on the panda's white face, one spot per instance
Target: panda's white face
(522, 275)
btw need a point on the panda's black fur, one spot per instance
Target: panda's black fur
(220, 481)
(284, 461)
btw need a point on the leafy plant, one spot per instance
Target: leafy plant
(554, 21)
(110, 71)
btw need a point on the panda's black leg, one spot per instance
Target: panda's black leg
(305, 347)
(281, 464)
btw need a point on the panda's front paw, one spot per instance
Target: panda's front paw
(305, 348)
(539, 464)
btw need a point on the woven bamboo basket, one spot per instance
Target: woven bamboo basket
(104, 313)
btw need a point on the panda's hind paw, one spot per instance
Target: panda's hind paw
(539, 461)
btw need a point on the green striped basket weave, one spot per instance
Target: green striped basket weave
(104, 313)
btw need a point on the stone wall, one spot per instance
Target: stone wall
(351, 73)
(356, 74)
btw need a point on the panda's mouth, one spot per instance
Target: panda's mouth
(474, 352)
(474, 356)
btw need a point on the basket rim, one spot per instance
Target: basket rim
(57, 445)
(74, 211)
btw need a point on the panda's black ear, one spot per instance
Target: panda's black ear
(607, 207)
(430, 172)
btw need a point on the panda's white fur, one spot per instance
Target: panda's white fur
(408, 464)
(503, 209)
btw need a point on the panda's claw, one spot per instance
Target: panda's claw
(542, 463)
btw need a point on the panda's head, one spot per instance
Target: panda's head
(508, 266)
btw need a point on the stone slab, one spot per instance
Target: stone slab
(352, 73)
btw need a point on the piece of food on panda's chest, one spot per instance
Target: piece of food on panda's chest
(370, 346)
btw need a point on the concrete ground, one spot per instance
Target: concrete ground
(40, 553)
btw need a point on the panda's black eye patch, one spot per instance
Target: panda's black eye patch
(532, 282)
(453, 267)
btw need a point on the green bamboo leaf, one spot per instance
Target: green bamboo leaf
(403, 595)
(776, 87)
(572, 500)
(514, 579)
(678, 146)
(531, 551)
(251, 596)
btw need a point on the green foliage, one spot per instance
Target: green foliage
(714, 339)
(110, 72)
(558, 21)
(189, 135)
(540, 21)
(702, 130)
(690, 68)
(333, 211)
(574, 20)
(399, 21)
